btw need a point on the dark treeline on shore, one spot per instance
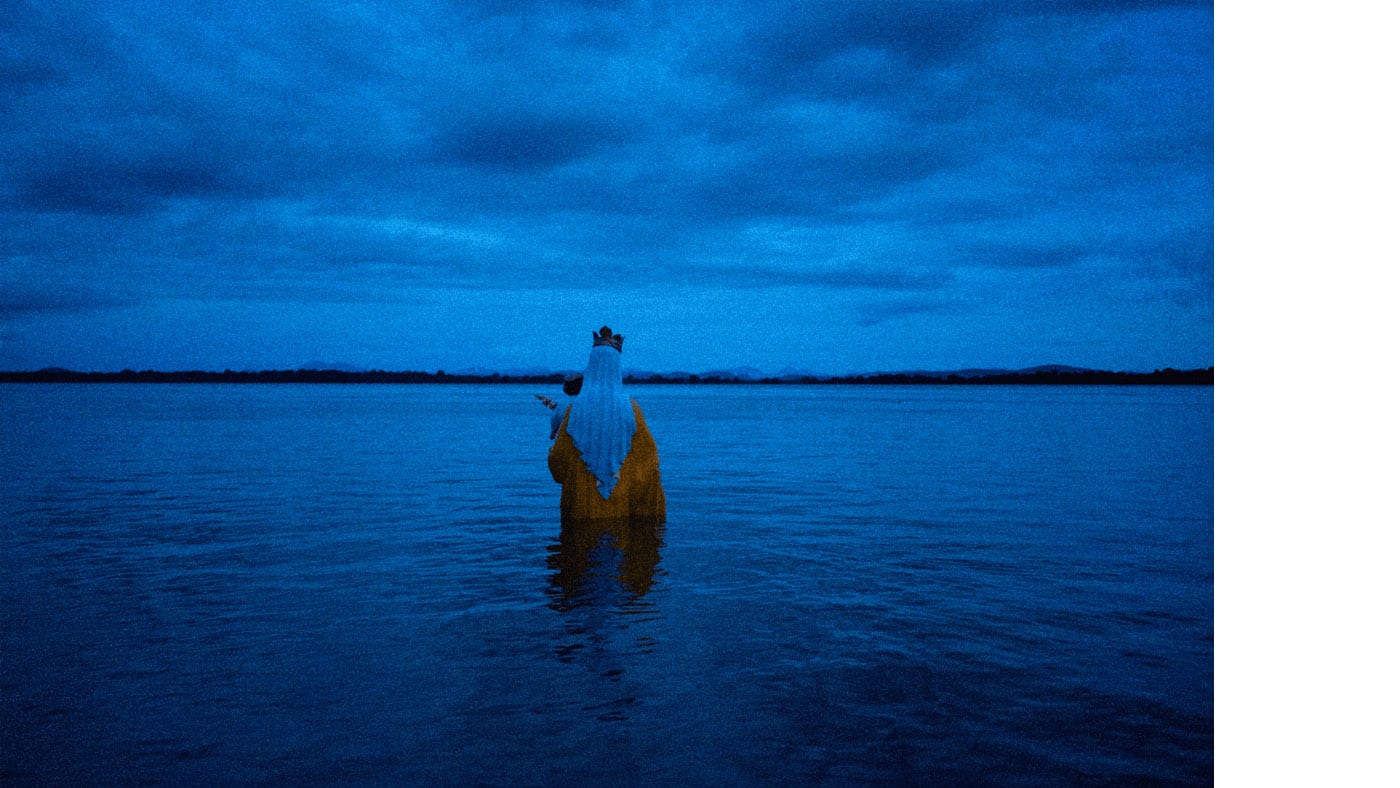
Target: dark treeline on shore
(1041, 377)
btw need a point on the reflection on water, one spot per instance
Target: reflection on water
(600, 574)
(596, 560)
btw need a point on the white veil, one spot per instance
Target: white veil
(601, 421)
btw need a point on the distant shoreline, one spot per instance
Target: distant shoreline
(1168, 377)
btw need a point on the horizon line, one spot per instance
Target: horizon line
(1042, 374)
(742, 371)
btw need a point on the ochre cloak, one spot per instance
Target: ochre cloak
(638, 493)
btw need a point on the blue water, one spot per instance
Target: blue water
(367, 584)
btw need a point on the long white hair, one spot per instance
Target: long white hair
(601, 421)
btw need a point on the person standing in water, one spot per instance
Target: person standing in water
(603, 456)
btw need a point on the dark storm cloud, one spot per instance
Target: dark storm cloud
(345, 153)
(847, 277)
(814, 47)
(874, 314)
(1006, 255)
(96, 183)
(527, 142)
(1113, 6)
(20, 299)
(21, 75)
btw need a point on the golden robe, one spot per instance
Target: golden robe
(638, 494)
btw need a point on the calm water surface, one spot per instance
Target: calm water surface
(367, 584)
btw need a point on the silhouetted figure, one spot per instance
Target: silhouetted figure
(604, 457)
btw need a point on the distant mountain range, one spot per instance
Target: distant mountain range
(331, 366)
(315, 372)
(748, 374)
(752, 375)
(740, 374)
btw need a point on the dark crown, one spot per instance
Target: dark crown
(605, 336)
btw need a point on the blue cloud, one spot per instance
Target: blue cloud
(323, 155)
(526, 141)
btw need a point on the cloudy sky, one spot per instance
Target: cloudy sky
(833, 186)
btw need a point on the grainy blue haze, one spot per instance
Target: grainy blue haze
(364, 584)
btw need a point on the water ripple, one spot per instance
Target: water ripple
(371, 584)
